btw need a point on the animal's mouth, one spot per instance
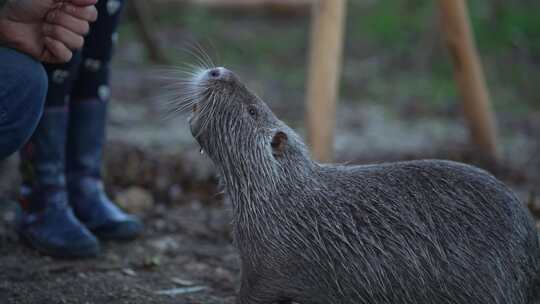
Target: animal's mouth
(194, 115)
(194, 111)
(194, 120)
(206, 86)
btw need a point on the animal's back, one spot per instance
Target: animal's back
(420, 232)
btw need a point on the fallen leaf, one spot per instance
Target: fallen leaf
(181, 290)
(182, 282)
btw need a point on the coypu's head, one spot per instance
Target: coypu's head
(235, 127)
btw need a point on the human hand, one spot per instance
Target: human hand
(48, 30)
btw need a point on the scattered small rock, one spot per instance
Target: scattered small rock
(9, 216)
(113, 257)
(135, 200)
(151, 262)
(129, 272)
(160, 224)
(175, 193)
(164, 244)
(197, 267)
(223, 274)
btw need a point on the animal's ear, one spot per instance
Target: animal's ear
(279, 142)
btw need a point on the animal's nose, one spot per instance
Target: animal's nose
(220, 74)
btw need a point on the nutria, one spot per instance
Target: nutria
(424, 231)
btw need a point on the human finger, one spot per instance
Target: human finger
(88, 13)
(56, 51)
(67, 21)
(82, 2)
(70, 39)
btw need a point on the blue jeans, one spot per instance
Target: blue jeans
(23, 88)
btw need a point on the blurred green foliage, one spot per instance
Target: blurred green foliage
(394, 52)
(390, 23)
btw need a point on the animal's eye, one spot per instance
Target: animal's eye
(252, 111)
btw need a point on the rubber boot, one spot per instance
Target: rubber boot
(46, 221)
(86, 136)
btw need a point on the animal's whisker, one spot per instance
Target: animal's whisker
(183, 91)
(199, 56)
(205, 55)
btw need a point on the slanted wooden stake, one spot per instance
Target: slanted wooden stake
(469, 75)
(323, 79)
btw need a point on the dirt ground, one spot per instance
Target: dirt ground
(177, 253)
(185, 254)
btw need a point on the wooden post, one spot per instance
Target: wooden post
(323, 78)
(469, 75)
